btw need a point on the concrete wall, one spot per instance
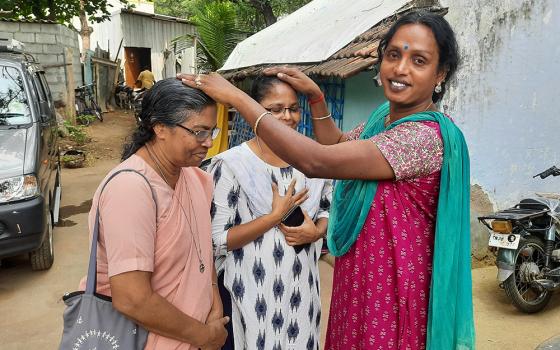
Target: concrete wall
(361, 97)
(504, 97)
(46, 42)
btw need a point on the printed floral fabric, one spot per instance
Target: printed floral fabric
(381, 285)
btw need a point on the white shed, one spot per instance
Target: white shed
(146, 41)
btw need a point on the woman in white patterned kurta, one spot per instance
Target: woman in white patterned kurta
(271, 275)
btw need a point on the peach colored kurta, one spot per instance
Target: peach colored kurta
(134, 238)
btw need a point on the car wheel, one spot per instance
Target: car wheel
(43, 257)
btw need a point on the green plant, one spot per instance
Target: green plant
(66, 159)
(76, 132)
(85, 119)
(217, 34)
(73, 161)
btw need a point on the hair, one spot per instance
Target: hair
(168, 102)
(445, 39)
(261, 86)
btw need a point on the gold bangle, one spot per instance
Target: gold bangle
(259, 120)
(322, 118)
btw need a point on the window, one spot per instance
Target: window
(14, 106)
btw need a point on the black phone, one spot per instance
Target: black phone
(294, 217)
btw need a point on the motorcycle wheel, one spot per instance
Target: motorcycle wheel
(529, 261)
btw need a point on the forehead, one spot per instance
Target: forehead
(280, 92)
(207, 117)
(416, 36)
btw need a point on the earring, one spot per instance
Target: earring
(377, 79)
(437, 90)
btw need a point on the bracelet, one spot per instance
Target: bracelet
(259, 120)
(317, 100)
(322, 118)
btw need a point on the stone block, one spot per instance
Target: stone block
(45, 38)
(6, 35)
(30, 27)
(33, 48)
(52, 49)
(47, 59)
(50, 28)
(25, 37)
(9, 27)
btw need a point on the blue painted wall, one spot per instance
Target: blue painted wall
(361, 98)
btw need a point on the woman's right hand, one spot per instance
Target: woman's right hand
(281, 205)
(297, 79)
(216, 334)
(213, 84)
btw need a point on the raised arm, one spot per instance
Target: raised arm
(347, 160)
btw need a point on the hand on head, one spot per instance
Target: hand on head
(213, 84)
(297, 79)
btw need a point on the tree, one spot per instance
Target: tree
(61, 11)
(217, 36)
(85, 30)
(254, 15)
(175, 8)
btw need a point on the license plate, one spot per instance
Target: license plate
(504, 240)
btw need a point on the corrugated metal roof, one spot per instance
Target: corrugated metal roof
(153, 33)
(358, 55)
(156, 16)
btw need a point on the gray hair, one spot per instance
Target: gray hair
(168, 102)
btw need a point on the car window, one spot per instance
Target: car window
(14, 106)
(45, 86)
(39, 87)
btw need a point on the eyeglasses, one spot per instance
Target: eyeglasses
(202, 135)
(282, 110)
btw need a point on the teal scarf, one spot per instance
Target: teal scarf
(450, 318)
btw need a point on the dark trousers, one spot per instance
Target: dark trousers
(226, 302)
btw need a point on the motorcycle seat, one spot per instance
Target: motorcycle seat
(540, 204)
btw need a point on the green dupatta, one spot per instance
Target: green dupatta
(450, 313)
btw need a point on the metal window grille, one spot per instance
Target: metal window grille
(333, 88)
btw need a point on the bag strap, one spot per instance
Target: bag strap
(91, 285)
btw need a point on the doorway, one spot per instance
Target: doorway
(135, 59)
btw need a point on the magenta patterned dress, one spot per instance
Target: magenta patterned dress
(381, 285)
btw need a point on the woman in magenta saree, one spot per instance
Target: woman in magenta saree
(399, 221)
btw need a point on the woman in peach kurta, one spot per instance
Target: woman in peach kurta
(136, 236)
(155, 256)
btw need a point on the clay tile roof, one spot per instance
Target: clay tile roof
(358, 55)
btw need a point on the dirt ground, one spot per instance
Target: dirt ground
(31, 306)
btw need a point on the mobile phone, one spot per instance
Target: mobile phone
(294, 217)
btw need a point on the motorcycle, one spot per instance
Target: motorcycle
(527, 239)
(123, 95)
(137, 96)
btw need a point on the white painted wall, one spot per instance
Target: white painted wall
(505, 96)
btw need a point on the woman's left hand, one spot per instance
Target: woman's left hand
(303, 234)
(217, 310)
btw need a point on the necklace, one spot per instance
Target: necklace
(201, 267)
(388, 117)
